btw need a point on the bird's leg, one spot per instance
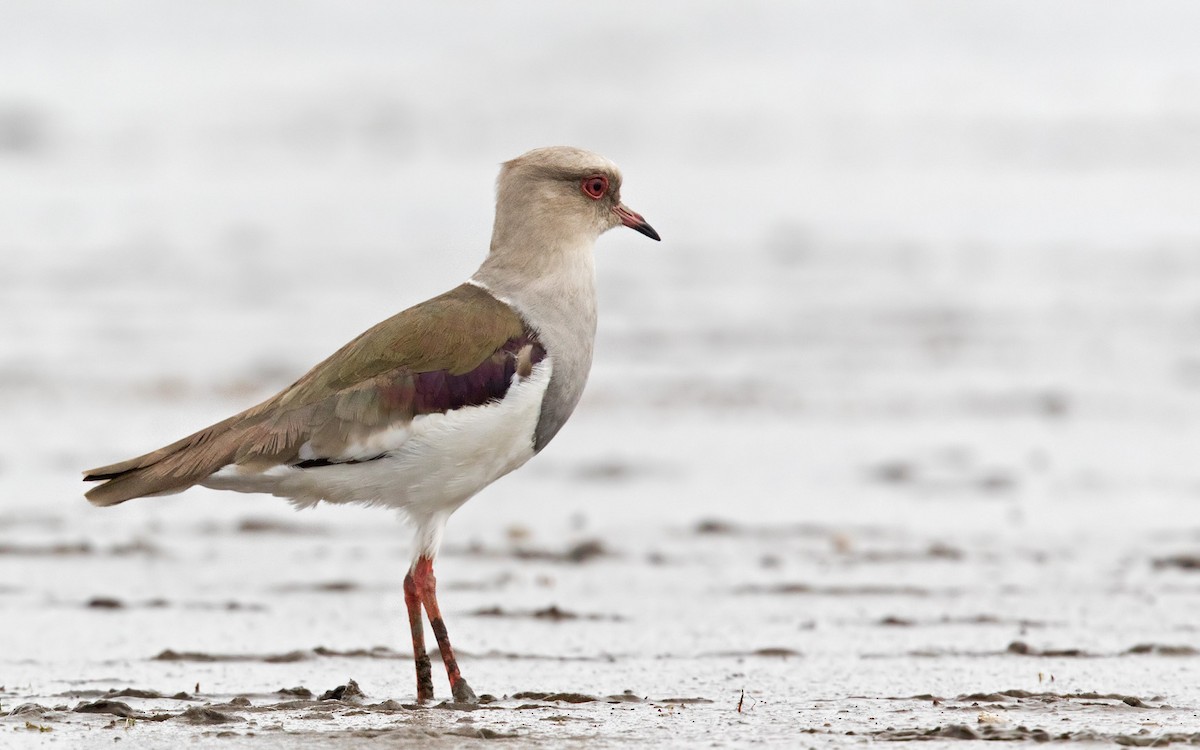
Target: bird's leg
(412, 600)
(426, 586)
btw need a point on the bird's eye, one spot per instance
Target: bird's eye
(595, 186)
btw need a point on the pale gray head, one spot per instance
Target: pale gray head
(558, 195)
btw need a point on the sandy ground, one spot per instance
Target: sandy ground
(891, 439)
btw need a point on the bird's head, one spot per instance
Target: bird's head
(560, 194)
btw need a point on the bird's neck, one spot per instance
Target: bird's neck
(552, 285)
(549, 277)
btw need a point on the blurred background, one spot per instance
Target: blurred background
(963, 219)
(933, 267)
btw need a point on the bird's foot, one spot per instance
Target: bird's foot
(462, 692)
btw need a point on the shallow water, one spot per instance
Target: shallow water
(891, 439)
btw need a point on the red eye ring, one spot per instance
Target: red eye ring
(595, 186)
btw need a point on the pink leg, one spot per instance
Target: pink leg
(412, 600)
(425, 586)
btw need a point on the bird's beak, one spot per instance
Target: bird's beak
(634, 221)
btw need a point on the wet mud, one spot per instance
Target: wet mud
(344, 713)
(817, 649)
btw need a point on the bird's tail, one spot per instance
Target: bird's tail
(168, 470)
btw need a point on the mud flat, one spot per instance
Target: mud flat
(718, 631)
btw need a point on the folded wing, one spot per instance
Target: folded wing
(461, 349)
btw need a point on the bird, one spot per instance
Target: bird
(424, 410)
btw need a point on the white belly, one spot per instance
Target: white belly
(438, 463)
